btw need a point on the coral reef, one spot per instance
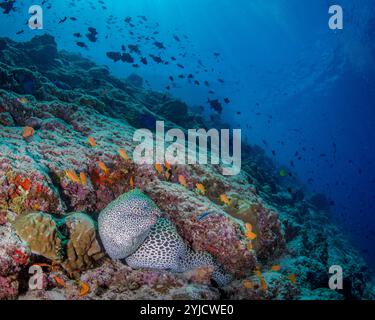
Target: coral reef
(66, 128)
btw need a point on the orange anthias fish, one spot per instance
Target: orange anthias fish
(83, 178)
(250, 235)
(201, 188)
(293, 278)
(158, 168)
(224, 199)
(71, 174)
(248, 284)
(103, 167)
(85, 289)
(131, 182)
(28, 132)
(275, 268)
(123, 154)
(168, 165)
(92, 142)
(182, 180)
(59, 281)
(263, 283)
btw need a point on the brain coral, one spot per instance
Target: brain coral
(126, 222)
(40, 232)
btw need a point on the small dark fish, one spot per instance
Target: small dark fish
(7, 6)
(134, 48)
(216, 105)
(73, 18)
(220, 80)
(81, 44)
(144, 61)
(126, 57)
(180, 66)
(20, 32)
(159, 45)
(77, 35)
(115, 56)
(226, 100)
(176, 38)
(63, 20)
(156, 59)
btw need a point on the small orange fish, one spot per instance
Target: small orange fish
(28, 132)
(123, 154)
(275, 268)
(248, 284)
(59, 281)
(201, 188)
(167, 175)
(224, 199)
(292, 278)
(92, 142)
(71, 174)
(182, 180)
(158, 168)
(168, 165)
(83, 178)
(131, 182)
(103, 167)
(85, 289)
(250, 235)
(263, 283)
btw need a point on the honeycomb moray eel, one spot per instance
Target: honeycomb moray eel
(126, 222)
(161, 248)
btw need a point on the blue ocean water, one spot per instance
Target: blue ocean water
(302, 91)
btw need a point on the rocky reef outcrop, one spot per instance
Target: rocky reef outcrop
(66, 128)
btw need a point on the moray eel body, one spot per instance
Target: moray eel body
(131, 228)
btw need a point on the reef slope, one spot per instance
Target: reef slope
(69, 162)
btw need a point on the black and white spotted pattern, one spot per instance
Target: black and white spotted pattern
(163, 249)
(126, 222)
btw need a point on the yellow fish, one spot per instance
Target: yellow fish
(92, 142)
(158, 168)
(283, 173)
(182, 180)
(22, 100)
(201, 188)
(71, 174)
(123, 154)
(248, 284)
(224, 199)
(83, 178)
(103, 167)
